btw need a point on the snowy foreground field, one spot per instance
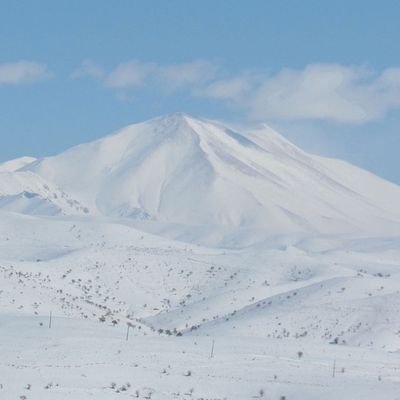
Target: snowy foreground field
(301, 319)
(81, 360)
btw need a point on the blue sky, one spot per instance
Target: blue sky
(326, 74)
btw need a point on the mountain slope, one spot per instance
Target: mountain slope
(28, 193)
(177, 169)
(16, 164)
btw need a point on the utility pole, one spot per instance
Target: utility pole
(334, 369)
(50, 318)
(212, 349)
(127, 332)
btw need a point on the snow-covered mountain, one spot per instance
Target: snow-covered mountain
(255, 310)
(177, 169)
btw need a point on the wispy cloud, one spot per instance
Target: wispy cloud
(330, 92)
(133, 74)
(231, 89)
(187, 74)
(130, 74)
(22, 72)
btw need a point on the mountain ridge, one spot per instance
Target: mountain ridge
(178, 169)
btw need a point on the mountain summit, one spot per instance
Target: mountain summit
(177, 169)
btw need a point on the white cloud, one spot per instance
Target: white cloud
(331, 92)
(192, 73)
(132, 74)
(317, 92)
(129, 74)
(22, 72)
(230, 89)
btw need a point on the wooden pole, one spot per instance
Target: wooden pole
(334, 369)
(212, 349)
(127, 333)
(50, 318)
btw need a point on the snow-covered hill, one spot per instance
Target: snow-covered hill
(281, 316)
(28, 193)
(184, 171)
(16, 164)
